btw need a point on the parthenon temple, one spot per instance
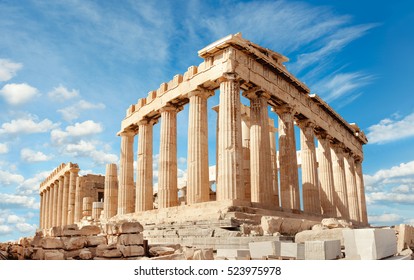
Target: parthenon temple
(257, 162)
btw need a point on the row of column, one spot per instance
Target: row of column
(335, 188)
(58, 203)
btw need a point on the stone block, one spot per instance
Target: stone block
(85, 254)
(112, 239)
(370, 243)
(258, 250)
(178, 256)
(74, 243)
(323, 250)
(53, 255)
(52, 243)
(195, 232)
(157, 251)
(131, 227)
(320, 235)
(131, 251)
(292, 250)
(233, 253)
(290, 226)
(90, 230)
(93, 241)
(56, 232)
(112, 253)
(131, 239)
(38, 254)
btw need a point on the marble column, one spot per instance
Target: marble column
(49, 206)
(42, 208)
(338, 168)
(351, 187)
(245, 119)
(144, 188)
(325, 175)
(71, 200)
(198, 187)
(216, 109)
(60, 201)
(78, 200)
(65, 200)
(310, 182)
(230, 150)
(167, 176)
(54, 203)
(361, 192)
(111, 191)
(289, 184)
(260, 154)
(273, 158)
(126, 174)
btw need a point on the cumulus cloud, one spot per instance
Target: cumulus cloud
(29, 155)
(73, 112)
(75, 131)
(14, 219)
(4, 148)
(31, 186)
(89, 150)
(384, 176)
(16, 94)
(27, 125)
(8, 69)
(17, 201)
(391, 129)
(26, 228)
(7, 178)
(4, 230)
(384, 218)
(61, 93)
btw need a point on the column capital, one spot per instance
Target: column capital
(170, 108)
(306, 123)
(127, 133)
(201, 92)
(229, 77)
(256, 92)
(74, 170)
(146, 121)
(284, 109)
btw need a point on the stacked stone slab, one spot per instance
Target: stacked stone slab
(370, 243)
(323, 250)
(405, 235)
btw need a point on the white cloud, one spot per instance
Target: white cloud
(89, 150)
(61, 93)
(8, 69)
(17, 201)
(73, 112)
(14, 219)
(29, 155)
(384, 218)
(26, 228)
(4, 229)
(391, 129)
(27, 125)
(16, 94)
(75, 131)
(385, 175)
(390, 197)
(7, 178)
(4, 148)
(342, 84)
(31, 186)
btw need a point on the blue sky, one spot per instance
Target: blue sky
(70, 69)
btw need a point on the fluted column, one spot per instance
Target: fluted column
(54, 203)
(144, 189)
(126, 174)
(325, 175)
(198, 187)
(351, 188)
(310, 182)
(78, 200)
(289, 185)
(65, 199)
(230, 151)
(42, 207)
(361, 192)
(49, 206)
(273, 159)
(260, 160)
(110, 191)
(167, 178)
(59, 202)
(338, 167)
(72, 189)
(216, 109)
(245, 119)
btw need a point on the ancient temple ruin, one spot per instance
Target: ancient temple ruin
(253, 174)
